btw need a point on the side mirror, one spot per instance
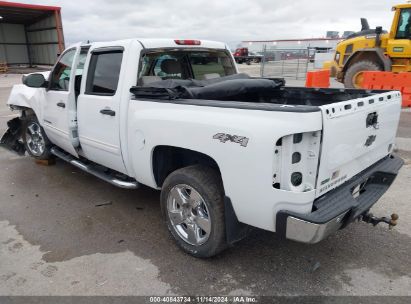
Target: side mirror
(35, 81)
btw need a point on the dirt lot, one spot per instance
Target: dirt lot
(64, 232)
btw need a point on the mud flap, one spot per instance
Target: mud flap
(11, 140)
(235, 230)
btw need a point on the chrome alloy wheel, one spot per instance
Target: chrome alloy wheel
(189, 214)
(34, 139)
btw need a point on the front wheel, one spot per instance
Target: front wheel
(35, 139)
(192, 203)
(354, 76)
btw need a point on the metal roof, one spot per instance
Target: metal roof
(293, 40)
(21, 13)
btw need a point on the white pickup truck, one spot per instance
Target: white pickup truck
(227, 151)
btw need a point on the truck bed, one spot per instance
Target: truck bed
(245, 92)
(357, 126)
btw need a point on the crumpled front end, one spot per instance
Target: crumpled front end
(11, 139)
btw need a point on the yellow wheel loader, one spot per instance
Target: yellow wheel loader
(374, 50)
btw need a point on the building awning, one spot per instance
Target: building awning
(21, 13)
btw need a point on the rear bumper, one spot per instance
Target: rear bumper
(337, 208)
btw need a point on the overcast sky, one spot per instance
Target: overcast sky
(230, 21)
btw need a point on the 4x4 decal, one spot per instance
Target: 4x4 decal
(223, 137)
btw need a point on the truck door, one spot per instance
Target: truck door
(58, 113)
(98, 107)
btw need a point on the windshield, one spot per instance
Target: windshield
(160, 65)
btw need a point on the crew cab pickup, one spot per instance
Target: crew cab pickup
(227, 151)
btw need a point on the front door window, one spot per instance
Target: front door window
(60, 77)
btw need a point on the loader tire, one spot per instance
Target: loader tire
(353, 77)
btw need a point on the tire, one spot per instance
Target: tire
(357, 67)
(35, 139)
(200, 186)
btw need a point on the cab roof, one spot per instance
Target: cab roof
(159, 43)
(163, 43)
(404, 5)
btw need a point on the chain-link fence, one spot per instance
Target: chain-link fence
(285, 63)
(289, 63)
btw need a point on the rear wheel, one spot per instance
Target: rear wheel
(192, 203)
(354, 75)
(35, 140)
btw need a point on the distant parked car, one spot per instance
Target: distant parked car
(243, 55)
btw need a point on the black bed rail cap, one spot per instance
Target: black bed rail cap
(156, 93)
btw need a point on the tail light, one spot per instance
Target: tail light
(187, 42)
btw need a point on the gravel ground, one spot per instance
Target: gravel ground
(55, 240)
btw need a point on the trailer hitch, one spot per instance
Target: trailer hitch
(371, 219)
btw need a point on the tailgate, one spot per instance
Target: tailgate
(356, 134)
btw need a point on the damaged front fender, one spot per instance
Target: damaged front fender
(11, 140)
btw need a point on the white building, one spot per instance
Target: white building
(292, 44)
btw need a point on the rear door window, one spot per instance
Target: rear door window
(104, 73)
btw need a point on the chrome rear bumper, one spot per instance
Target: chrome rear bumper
(303, 231)
(337, 208)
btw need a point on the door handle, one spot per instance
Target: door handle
(61, 104)
(108, 112)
